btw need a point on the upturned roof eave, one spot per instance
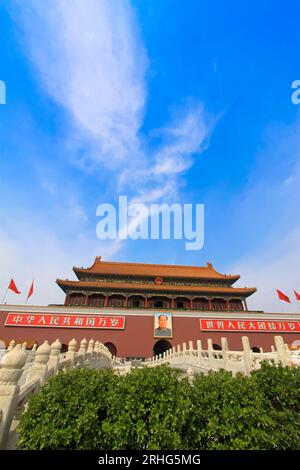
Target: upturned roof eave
(65, 285)
(81, 272)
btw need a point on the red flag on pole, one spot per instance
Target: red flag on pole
(297, 295)
(12, 286)
(282, 296)
(30, 291)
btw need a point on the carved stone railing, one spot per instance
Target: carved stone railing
(203, 360)
(24, 372)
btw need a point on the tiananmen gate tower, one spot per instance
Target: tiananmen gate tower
(138, 310)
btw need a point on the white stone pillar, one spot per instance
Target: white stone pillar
(39, 369)
(32, 353)
(91, 346)
(281, 351)
(10, 373)
(184, 352)
(210, 352)
(246, 355)
(11, 345)
(54, 356)
(224, 345)
(83, 347)
(98, 352)
(199, 351)
(71, 353)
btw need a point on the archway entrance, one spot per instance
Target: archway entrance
(112, 348)
(161, 346)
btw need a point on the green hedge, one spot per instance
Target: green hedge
(155, 409)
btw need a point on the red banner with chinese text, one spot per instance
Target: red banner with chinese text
(65, 321)
(276, 326)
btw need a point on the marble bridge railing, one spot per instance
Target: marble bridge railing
(203, 360)
(23, 372)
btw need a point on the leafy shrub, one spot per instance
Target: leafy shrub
(68, 411)
(227, 413)
(281, 388)
(156, 409)
(149, 410)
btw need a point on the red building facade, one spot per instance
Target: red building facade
(120, 305)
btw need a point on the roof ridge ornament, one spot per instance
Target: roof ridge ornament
(98, 259)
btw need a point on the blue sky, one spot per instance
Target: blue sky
(162, 101)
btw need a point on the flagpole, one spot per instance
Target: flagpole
(29, 291)
(26, 300)
(4, 298)
(297, 301)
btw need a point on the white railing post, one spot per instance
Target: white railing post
(184, 353)
(281, 351)
(90, 351)
(246, 355)
(54, 356)
(83, 348)
(224, 345)
(101, 355)
(199, 352)
(10, 373)
(11, 345)
(191, 351)
(210, 352)
(39, 369)
(71, 353)
(91, 346)
(32, 353)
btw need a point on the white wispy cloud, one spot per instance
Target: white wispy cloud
(160, 176)
(90, 58)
